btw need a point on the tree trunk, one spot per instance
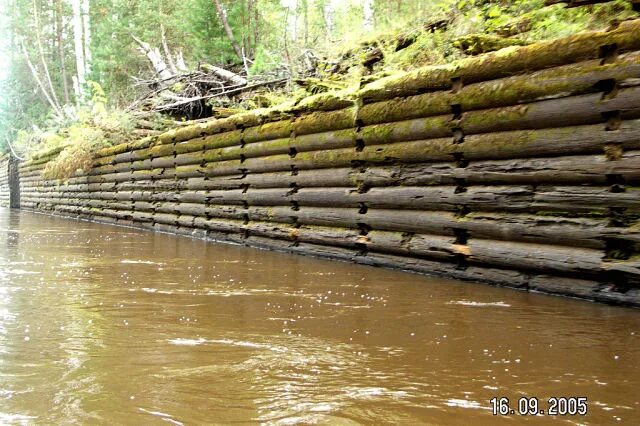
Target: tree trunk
(86, 27)
(154, 55)
(167, 52)
(250, 30)
(224, 74)
(256, 27)
(305, 5)
(41, 86)
(227, 28)
(327, 14)
(61, 55)
(368, 18)
(52, 93)
(78, 39)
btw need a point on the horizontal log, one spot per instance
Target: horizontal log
(536, 257)
(504, 63)
(323, 121)
(592, 169)
(490, 198)
(494, 146)
(571, 80)
(205, 129)
(128, 146)
(499, 145)
(522, 256)
(268, 131)
(557, 112)
(569, 111)
(585, 289)
(571, 198)
(580, 232)
(563, 200)
(327, 140)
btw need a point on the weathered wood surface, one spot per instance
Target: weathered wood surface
(587, 139)
(505, 62)
(562, 81)
(518, 168)
(5, 194)
(578, 169)
(563, 112)
(587, 201)
(570, 80)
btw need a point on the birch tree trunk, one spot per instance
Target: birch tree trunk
(86, 28)
(305, 5)
(227, 28)
(368, 11)
(328, 19)
(40, 84)
(156, 59)
(61, 55)
(78, 38)
(52, 93)
(167, 52)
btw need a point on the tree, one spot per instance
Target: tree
(222, 14)
(79, 40)
(60, 37)
(368, 12)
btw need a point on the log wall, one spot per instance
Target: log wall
(517, 168)
(5, 193)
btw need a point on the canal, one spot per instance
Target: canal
(109, 325)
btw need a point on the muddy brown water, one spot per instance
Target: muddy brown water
(108, 325)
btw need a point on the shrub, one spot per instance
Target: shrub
(77, 157)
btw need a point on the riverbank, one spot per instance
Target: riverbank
(517, 168)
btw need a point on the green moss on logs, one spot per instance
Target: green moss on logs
(319, 122)
(505, 62)
(475, 44)
(230, 153)
(258, 149)
(564, 79)
(273, 130)
(327, 101)
(244, 120)
(422, 128)
(161, 151)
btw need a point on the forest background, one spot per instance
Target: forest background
(72, 70)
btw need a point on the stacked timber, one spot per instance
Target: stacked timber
(4, 181)
(517, 168)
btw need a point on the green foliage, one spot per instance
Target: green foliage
(77, 157)
(262, 62)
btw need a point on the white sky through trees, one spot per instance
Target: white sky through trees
(4, 42)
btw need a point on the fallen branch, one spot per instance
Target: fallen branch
(224, 74)
(34, 73)
(155, 57)
(223, 93)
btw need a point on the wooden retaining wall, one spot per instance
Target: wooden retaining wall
(518, 168)
(5, 193)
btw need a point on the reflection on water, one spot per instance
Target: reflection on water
(110, 325)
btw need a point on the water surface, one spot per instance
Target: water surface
(109, 325)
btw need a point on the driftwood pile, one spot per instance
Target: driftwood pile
(187, 94)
